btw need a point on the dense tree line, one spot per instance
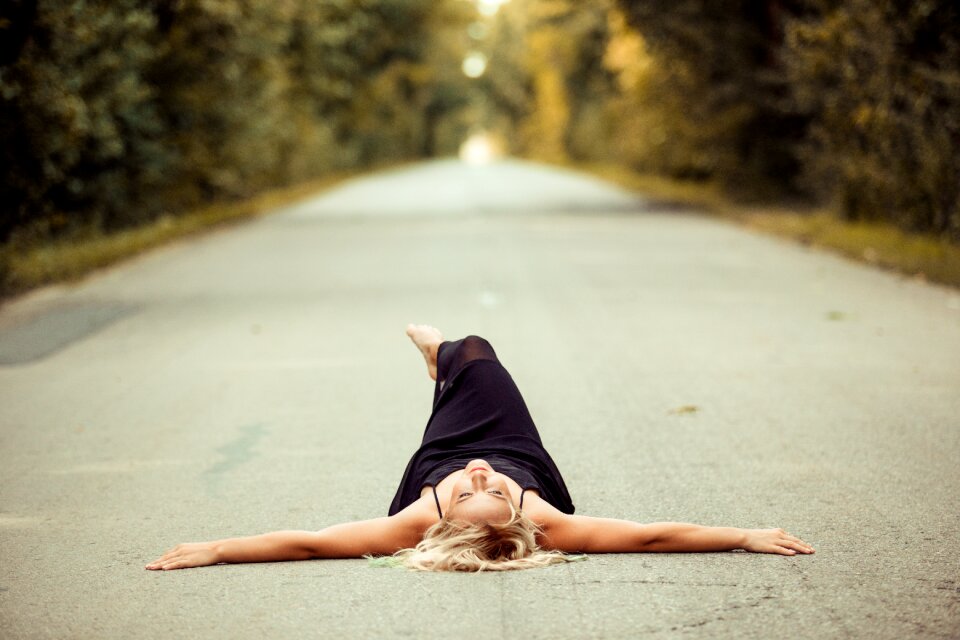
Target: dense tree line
(114, 113)
(851, 103)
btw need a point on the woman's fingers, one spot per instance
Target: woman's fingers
(777, 541)
(793, 542)
(165, 564)
(158, 564)
(166, 559)
(166, 556)
(183, 556)
(796, 544)
(797, 540)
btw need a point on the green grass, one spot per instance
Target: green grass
(26, 268)
(881, 244)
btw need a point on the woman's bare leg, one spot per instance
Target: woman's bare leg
(428, 340)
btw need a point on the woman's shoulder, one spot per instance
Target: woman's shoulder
(420, 514)
(544, 514)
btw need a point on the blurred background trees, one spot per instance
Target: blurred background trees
(878, 84)
(854, 104)
(116, 113)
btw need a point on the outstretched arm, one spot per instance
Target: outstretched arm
(348, 540)
(607, 535)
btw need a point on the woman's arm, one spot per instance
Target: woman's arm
(380, 536)
(607, 535)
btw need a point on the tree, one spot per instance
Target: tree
(880, 81)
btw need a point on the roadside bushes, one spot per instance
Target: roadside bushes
(853, 104)
(79, 129)
(115, 113)
(879, 82)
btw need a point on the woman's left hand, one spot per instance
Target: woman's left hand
(774, 541)
(184, 556)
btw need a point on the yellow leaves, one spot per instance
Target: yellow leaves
(546, 130)
(551, 57)
(551, 46)
(227, 10)
(545, 10)
(626, 53)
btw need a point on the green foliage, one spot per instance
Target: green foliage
(113, 114)
(880, 82)
(116, 113)
(717, 87)
(221, 82)
(854, 102)
(80, 129)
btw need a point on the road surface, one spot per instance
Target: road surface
(679, 368)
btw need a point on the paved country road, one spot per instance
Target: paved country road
(679, 368)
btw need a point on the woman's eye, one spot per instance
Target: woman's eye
(463, 494)
(495, 492)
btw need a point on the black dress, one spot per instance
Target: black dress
(478, 412)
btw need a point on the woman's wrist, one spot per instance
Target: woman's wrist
(726, 538)
(220, 549)
(742, 537)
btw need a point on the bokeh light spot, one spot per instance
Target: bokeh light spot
(478, 30)
(474, 64)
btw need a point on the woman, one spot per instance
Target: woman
(481, 493)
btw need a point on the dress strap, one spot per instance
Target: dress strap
(521, 498)
(437, 500)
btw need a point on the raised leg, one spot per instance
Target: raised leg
(444, 359)
(427, 339)
(452, 356)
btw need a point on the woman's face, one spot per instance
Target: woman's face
(480, 494)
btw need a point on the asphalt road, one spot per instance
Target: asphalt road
(679, 368)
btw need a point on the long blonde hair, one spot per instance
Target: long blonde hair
(453, 545)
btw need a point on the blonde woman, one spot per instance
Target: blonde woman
(480, 494)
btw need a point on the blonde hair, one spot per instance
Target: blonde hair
(454, 545)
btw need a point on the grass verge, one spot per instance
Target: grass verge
(880, 244)
(23, 269)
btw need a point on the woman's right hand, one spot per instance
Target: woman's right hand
(774, 541)
(186, 555)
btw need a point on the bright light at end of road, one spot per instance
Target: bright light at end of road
(479, 148)
(489, 7)
(474, 64)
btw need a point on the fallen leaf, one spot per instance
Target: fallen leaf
(687, 408)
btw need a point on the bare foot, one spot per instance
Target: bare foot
(428, 340)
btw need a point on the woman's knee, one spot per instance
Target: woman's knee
(477, 348)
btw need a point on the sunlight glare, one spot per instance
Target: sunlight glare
(489, 7)
(479, 148)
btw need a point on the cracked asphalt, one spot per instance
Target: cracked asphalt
(679, 368)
